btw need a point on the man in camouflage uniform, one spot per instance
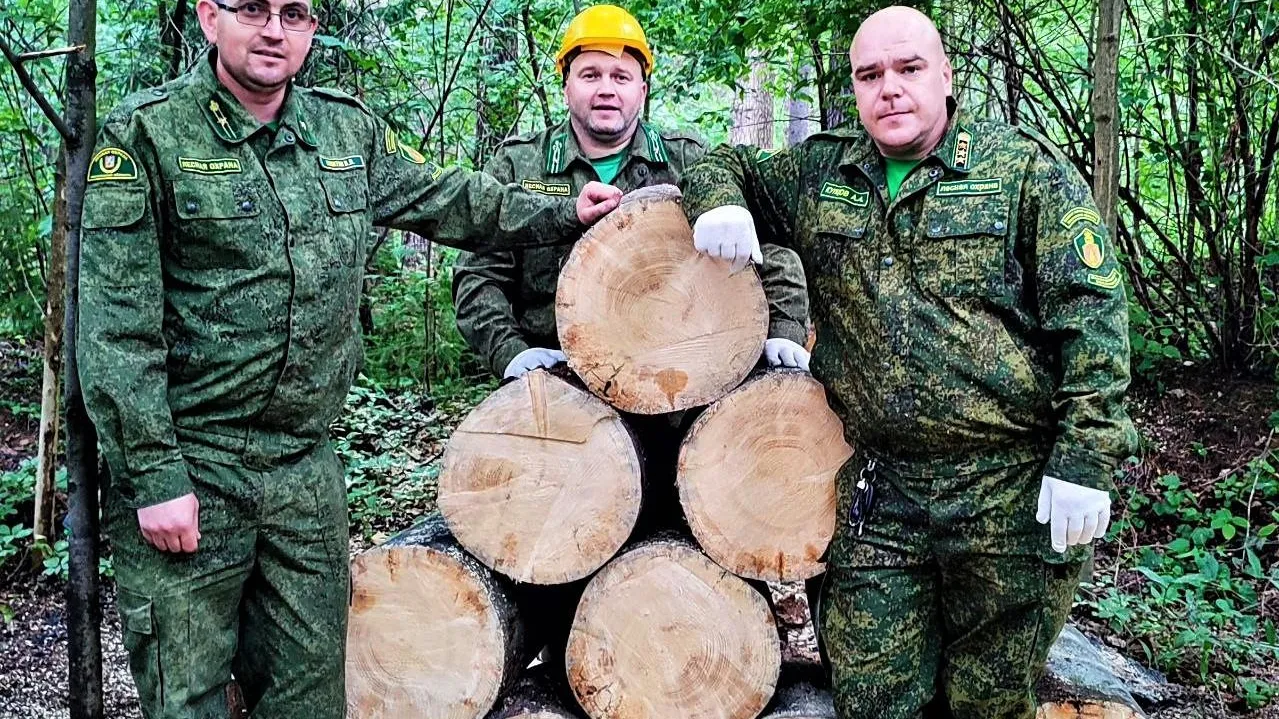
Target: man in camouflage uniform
(506, 299)
(972, 334)
(226, 223)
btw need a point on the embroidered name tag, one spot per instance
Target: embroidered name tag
(219, 166)
(843, 193)
(341, 164)
(970, 187)
(559, 189)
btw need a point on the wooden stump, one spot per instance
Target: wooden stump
(432, 632)
(537, 695)
(663, 632)
(800, 695)
(757, 477)
(648, 323)
(542, 481)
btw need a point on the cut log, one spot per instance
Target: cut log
(1085, 681)
(664, 632)
(800, 694)
(539, 694)
(647, 322)
(757, 477)
(542, 481)
(432, 633)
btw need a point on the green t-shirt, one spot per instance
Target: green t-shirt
(608, 167)
(897, 170)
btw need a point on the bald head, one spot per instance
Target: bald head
(900, 21)
(901, 78)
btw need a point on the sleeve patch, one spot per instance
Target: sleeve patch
(111, 164)
(411, 154)
(1080, 214)
(1108, 281)
(1089, 248)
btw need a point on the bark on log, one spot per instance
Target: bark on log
(801, 694)
(542, 481)
(432, 632)
(648, 323)
(663, 632)
(539, 694)
(757, 477)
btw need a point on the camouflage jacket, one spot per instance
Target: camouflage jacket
(221, 268)
(981, 314)
(506, 300)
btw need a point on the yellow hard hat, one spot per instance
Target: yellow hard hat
(607, 28)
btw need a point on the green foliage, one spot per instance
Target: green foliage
(390, 443)
(1194, 605)
(17, 490)
(414, 336)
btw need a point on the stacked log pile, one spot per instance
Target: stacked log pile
(536, 546)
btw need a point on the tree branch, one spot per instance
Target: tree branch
(34, 91)
(55, 52)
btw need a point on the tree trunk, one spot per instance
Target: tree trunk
(800, 695)
(84, 611)
(432, 632)
(542, 481)
(798, 123)
(757, 477)
(50, 392)
(648, 323)
(539, 694)
(1105, 108)
(753, 108)
(663, 632)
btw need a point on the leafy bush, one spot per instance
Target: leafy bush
(1194, 606)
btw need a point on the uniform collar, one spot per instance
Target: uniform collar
(563, 148)
(231, 122)
(956, 151)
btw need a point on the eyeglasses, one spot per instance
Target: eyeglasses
(294, 18)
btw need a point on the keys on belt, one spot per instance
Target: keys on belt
(863, 497)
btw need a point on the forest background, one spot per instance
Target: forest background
(1182, 97)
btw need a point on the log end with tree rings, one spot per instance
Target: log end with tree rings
(663, 632)
(431, 633)
(757, 477)
(647, 322)
(541, 481)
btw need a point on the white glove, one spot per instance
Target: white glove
(783, 352)
(531, 359)
(728, 233)
(1079, 514)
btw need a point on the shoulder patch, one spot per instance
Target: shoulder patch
(112, 164)
(765, 155)
(329, 93)
(390, 142)
(521, 139)
(121, 113)
(685, 135)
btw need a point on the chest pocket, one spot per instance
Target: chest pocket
(964, 251)
(215, 224)
(347, 197)
(839, 247)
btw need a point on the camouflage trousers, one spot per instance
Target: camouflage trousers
(948, 601)
(264, 597)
